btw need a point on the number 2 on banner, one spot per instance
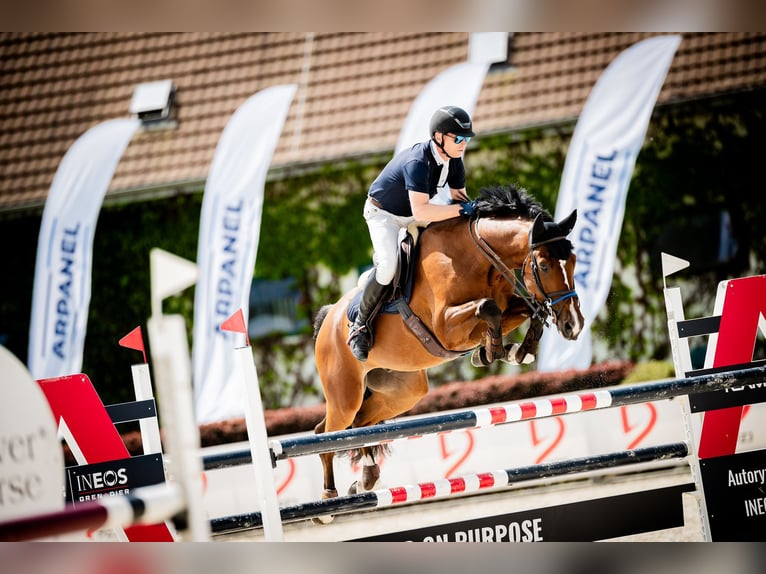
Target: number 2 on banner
(536, 440)
(284, 481)
(628, 427)
(462, 456)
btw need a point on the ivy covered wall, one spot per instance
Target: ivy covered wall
(699, 160)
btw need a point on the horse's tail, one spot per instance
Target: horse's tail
(319, 319)
(355, 454)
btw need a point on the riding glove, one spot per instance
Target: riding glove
(468, 208)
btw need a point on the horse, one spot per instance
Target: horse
(474, 281)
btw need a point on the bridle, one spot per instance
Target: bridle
(541, 310)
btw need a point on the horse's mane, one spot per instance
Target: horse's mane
(509, 200)
(512, 200)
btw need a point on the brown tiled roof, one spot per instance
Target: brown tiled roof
(355, 90)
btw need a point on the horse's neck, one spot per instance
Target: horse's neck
(508, 238)
(457, 253)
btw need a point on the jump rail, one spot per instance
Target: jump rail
(146, 505)
(501, 414)
(443, 488)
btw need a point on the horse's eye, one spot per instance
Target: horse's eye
(544, 267)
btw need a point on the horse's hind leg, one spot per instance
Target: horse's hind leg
(370, 471)
(329, 477)
(392, 393)
(327, 466)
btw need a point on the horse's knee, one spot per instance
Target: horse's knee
(489, 311)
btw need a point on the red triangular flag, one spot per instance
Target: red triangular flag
(134, 340)
(236, 323)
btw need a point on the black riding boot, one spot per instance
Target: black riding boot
(359, 337)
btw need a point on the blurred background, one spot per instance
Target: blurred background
(695, 192)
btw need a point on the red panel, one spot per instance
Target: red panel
(744, 303)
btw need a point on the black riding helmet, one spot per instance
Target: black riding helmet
(451, 120)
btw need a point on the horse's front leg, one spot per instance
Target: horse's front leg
(489, 312)
(526, 352)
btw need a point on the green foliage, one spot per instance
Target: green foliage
(697, 161)
(650, 371)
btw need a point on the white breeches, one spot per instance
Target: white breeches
(384, 231)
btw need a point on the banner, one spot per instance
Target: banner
(228, 242)
(459, 86)
(607, 139)
(61, 292)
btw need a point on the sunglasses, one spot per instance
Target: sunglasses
(459, 139)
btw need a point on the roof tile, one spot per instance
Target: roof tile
(55, 86)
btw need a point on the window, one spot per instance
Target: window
(274, 308)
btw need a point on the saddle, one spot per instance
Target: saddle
(398, 298)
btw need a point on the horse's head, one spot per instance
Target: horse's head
(548, 273)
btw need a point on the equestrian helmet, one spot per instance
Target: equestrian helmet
(451, 120)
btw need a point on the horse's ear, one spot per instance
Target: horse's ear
(537, 230)
(568, 222)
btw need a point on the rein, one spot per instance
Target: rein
(540, 310)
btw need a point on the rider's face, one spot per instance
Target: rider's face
(454, 145)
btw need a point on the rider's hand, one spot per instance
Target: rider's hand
(468, 209)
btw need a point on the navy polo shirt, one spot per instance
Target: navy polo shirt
(413, 169)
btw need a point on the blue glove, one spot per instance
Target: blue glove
(468, 208)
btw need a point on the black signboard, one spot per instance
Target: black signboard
(93, 481)
(730, 397)
(585, 521)
(735, 494)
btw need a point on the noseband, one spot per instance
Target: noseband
(541, 310)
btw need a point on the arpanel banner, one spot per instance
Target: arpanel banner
(61, 292)
(458, 85)
(607, 139)
(228, 242)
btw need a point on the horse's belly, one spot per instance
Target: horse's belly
(397, 348)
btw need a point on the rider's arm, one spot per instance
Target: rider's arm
(422, 210)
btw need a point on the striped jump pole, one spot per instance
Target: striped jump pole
(443, 488)
(495, 415)
(146, 505)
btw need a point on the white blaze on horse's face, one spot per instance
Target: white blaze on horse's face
(572, 304)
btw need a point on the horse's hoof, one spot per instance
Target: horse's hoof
(479, 358)
(327, 518)
(354, 488)
(510, 356)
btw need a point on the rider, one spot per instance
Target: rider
(400, 195)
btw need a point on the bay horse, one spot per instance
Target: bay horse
(474, 281)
